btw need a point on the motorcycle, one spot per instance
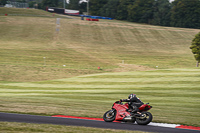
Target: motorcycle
(120, 112)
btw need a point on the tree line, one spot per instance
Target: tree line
(179, 13)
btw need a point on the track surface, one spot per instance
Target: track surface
(10, 117)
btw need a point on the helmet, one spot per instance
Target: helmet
(131, 96)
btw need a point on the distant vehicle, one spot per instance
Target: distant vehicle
(63, 11)
(71, 12)
(8, 5)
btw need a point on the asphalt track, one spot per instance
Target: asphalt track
(10, 117)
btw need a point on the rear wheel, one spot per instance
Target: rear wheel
(109, 116)
(145, 119)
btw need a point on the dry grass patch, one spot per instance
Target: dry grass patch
(131, 67)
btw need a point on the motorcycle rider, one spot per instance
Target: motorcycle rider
(134, 104)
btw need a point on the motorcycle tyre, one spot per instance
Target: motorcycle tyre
(139, 122)
(109, 120)
(133, 120)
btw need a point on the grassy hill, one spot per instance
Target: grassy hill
(23, 11)
(82, 46)
(127, 54)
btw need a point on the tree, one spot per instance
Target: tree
(161, 13)
(49, 3)
(196, 48)
(122, 12)
(3, 2)
(185, 13)
(21, 1)
(110, 9)
(83, 7)
(32, 4)
(96, 5)
(141, 11)
(73, 4)
(61, 3)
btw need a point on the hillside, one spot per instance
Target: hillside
(82, 46)
(22, 12)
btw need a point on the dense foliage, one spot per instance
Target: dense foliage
(73, 4)
(96, 6)
(180, 13)
(49, 3)
(141, 11)
(3, 2)
(161, 13)
(185, 13)
(196, 48)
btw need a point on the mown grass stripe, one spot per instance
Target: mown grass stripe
(103, 86)
(151, 73)
(140, 79)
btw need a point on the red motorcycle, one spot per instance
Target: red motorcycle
(120, 112)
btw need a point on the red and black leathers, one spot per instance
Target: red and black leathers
(134, 102)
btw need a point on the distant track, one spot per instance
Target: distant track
(10, 117)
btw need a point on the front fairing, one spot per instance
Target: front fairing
(120, 111)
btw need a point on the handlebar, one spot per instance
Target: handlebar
(119, 102)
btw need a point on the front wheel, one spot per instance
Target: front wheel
(145, 119)
(109, 116)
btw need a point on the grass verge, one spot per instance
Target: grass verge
(13, 127)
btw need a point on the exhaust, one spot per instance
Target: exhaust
(127, 118)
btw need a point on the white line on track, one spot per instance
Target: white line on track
(163, 125)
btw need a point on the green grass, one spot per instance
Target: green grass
(24, 12)
(171, 92)
(13, 127)
(127, 53)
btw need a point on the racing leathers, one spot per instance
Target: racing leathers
(133, 102)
